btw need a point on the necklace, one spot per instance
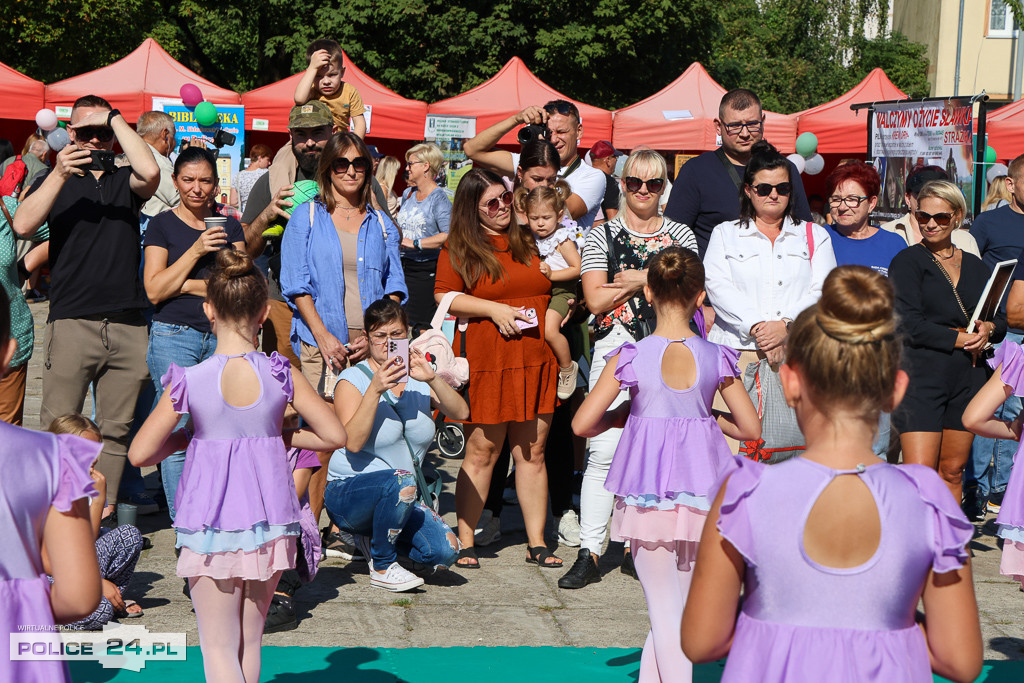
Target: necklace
(347, 209)
(946, 258)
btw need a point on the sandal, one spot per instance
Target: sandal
(467, 554)
(540, 555)
(125, 614)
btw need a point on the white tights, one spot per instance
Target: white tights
(230, 614)
(665, 589)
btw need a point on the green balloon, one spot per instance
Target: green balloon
(62, 124)
(807, 145)
(206, 114)
(990, 155)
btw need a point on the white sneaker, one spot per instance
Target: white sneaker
(488, 529)
(569, 529)
(396, 579)
(567, 380)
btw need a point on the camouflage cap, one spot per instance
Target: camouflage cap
(310, 115)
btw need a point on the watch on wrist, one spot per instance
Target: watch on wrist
(416, 245)
(111, 115)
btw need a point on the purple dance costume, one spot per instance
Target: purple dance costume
(237, 512)
(801, 621)
(37, 470)
(672, 451)
(1011, 514)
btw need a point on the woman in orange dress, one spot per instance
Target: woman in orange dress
(512, 372)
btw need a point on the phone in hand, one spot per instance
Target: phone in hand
(101, 160)
(399, 348)
(530, 313)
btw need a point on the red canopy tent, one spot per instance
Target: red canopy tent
(510, 91)
(20, 96)
(681, 116)
(131, 83)
(392, 116)
(1005, 128)
(841, 130)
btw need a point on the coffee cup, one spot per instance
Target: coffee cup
(127, 514)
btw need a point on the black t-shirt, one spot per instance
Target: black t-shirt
(611, 194)
(170, 232)
(94, 246)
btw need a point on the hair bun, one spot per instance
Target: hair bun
(856, 306)
(234, 263)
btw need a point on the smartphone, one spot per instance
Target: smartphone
(101, 160)
(399, 348)
(530, 313)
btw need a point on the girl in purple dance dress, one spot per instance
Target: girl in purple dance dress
(44, 503)
(237, 514)
(672, 450)
(978, 418)
(833, 550)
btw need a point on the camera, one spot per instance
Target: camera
(223, 138)
(532, 132)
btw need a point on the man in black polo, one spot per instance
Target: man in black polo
(706, 191)
(95, 333)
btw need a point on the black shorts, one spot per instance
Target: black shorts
(941, 386)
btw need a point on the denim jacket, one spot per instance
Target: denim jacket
(312, 263)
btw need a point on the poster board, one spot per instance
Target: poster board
(231, 119)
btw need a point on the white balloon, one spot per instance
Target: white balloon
(798, 161)
(814, 165)
(46, 119)
(58, 139)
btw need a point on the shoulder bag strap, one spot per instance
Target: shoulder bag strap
(942, 270)
(730, 168)
(810, 240)
(572, 167)
(613, 261)
(442, 311)
(7, 214)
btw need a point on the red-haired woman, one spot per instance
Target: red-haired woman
(513, 374)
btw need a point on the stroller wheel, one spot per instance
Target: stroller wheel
(450, 440)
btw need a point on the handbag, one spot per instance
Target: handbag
(644, 325)
(781, 438)
(428, 488)
(436, 346)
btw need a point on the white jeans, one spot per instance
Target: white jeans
(596, 502)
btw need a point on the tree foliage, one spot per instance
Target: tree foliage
(611, 53)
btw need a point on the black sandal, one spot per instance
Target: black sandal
(468, 554)
(539, 555)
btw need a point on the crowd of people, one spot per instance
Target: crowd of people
(723, 373)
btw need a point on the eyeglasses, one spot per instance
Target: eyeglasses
(654, 185)
(359, 165)
(941, 219)
(765, 189)
(382, 337)
(735, 128)
(853, 201)
(101, 133)
(409, 163)
(492, 206)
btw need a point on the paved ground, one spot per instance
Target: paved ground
(505, 603)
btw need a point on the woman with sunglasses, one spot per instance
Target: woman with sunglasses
(493, 261)
(614, 272)
(338, 255)
(764, 268)
(937, 288)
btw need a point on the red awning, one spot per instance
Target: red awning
(392, 116)
(20, 96)
(131, 83)
(510, 91)
(1005, 129)
(681, 117)
(839, 129)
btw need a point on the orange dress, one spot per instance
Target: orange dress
(510, 380)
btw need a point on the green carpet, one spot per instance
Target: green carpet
(439, 665)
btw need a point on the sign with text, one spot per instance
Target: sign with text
(230, 118)
(449, 127)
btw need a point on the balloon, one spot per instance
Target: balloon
(814, 165)
(62, 124)
(58, 139)
(807, 145)
(798, 161)
(990, 155)
(46, 119)
(191, 96)
(206, 114)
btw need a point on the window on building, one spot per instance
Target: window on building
(1000, 20)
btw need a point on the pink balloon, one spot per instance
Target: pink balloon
(46, 119)
(191, 95)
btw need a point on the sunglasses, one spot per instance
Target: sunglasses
(359, 165)
(654, 185)
(941, 219)
(101, 133)
(765, 189)
(505, 199)
(562, 107)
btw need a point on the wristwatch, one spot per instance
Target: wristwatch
(111, 115)
(416, 245)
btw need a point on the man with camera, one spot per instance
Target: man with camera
(558, 121)
(95, 333)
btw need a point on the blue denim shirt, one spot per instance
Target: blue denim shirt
(312, 263)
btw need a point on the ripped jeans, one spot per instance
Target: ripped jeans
(382, 506)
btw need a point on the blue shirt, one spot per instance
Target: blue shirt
(312, 263)
(875, 252)
(1000, 235)
(410, 419)
(420, 220)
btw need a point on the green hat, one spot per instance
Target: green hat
(310, 115)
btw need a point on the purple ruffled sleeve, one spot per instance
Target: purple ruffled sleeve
(281, 369)
(174, 384)
(950, 529)
(728, 363)
(624, 371)
(740, 478)
(75, 455)
(1011, 357)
